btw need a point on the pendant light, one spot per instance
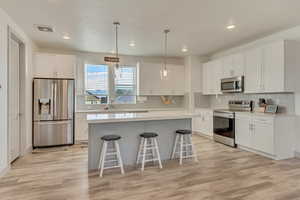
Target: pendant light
(115, 60)
(164, 71)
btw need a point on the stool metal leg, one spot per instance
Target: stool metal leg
(175, 147)
(140, 150)
(194, 153)
(157, 153)
(181, 148)
(144, 153)
(119, 157)
(103, 158)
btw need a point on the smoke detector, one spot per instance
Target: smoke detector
(45, 28)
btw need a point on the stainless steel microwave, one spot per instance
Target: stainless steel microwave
(232, 85)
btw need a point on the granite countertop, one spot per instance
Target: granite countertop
(127, 110)
(260, 114)
(146, 116)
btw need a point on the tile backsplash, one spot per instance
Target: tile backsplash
(152, 102)
(286, 101)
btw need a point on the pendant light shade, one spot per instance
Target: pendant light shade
(164, 70)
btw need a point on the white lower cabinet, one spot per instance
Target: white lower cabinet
(81, 127)
(243, 130)
(204, 122)
(263, 135)
(272, 136)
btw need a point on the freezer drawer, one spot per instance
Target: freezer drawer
(52, 133)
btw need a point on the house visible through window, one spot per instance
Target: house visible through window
(125, 85)
(96, 84)
(101, 84)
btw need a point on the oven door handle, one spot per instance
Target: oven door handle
(224, 115)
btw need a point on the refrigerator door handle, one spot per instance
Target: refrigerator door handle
(54, 96)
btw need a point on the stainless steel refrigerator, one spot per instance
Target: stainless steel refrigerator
(53, 112)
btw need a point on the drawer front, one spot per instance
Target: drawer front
(53, 133)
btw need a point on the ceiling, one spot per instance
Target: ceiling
(200, 25)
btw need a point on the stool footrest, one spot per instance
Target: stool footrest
(112, 167)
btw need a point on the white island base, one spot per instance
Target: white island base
(130, 131)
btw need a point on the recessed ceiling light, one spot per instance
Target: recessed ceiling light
(184, 49)
(231, 26)
(132, 44)
(66, 37)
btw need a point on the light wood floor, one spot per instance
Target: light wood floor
(221, 173)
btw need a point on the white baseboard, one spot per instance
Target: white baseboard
(27, 150)
(202, 134)
(297, 154)
(4, 171)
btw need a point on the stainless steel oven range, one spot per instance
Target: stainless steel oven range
(224, 121)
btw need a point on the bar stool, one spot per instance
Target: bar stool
(184, 146)
(148, 150)
(110, 156)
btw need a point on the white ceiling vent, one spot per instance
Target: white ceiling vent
(45, 28)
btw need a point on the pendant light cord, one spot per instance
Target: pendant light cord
(117, 24)
(166, 47)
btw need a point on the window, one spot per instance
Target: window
(125, 85)
(101, 84)
(96, 84)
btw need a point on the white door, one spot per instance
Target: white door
(238, 61)
(243, 131)
(65, 66)
(216, 76)
(3, 96)
(14, 110)
(253, 70)
(273, 73)
(263, 136)
(205, 79)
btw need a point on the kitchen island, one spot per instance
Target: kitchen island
(129, 126)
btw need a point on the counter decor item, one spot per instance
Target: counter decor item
(272, 109)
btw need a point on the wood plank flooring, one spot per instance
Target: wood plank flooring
(221, 173)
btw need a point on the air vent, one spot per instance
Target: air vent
(45, 28)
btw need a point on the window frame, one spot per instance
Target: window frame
(135, 84)
(111, 83)
(108, 83)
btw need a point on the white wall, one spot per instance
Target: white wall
(26, 143)
(193, 81)
(83, 58)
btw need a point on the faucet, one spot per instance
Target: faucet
(110, 105)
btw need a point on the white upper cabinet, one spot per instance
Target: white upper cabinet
(212, 74)
(150, 82)
(270, 68)
(233, 65)
(54, 66)
(253, 68)
(273, 67)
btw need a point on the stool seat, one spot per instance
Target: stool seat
(110, 137)
(148, 135)
(184, 132)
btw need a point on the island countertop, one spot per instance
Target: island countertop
(97, 118)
